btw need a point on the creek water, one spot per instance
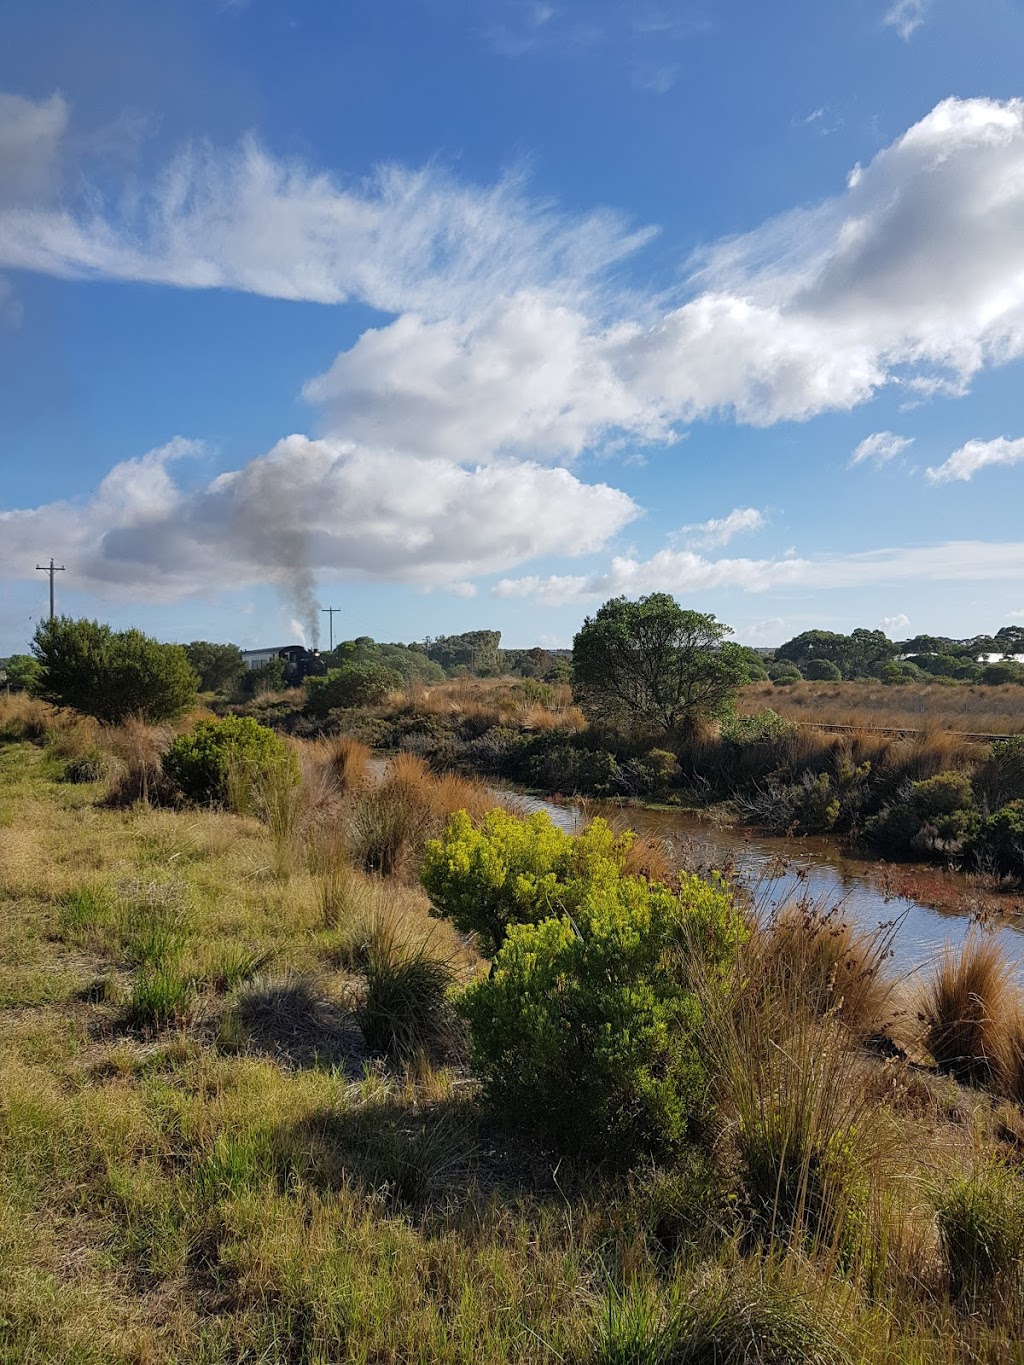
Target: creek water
(814, 869)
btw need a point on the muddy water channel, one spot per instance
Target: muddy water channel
(779, 870)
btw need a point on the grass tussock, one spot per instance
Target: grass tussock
(981, 1225)
(406, 1008)
(970, 1011)
(391, 821)
(814, 958)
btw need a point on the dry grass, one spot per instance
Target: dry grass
(970, 1011)
(390, 822)
(495, 701)
(812, 958)
(137, 774)
(920, 706)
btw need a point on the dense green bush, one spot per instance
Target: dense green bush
(936, 816)
(354, 684)
(112, 674)
(515, 871)
(999, 843)
(783, 673)
(202, 764)
(585, 1030)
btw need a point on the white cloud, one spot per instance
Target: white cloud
(898, 622)
(526, 374)
(308, 508)
(881, 447)
(907, 15)
(512, 335)
(720, 530)
(964, 463)
(683, 571)
(31, 135)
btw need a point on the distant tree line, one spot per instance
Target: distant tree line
(825, 655)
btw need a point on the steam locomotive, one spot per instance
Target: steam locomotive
(301, 663)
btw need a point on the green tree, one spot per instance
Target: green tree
(476, 650)
(23, 672)
(112, 674)
(650, 665)
(219, 666)
(822, 670)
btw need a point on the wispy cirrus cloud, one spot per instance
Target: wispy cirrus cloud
(964, 463)
(880, 447)
(907, 16)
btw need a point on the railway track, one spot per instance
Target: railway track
(898, 732)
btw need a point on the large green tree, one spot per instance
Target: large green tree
(650, 665)
(22, 672)
(219, 666)
(112, 674)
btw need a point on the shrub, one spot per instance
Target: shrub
(405, 1010)
(981, 1227)
(515, 871)
(351, 685)
(200, 764)
(784, 673)
(1000, 841)
(937, 815)
(585, 1030)
(1005, 671)
(1000, 778)
(822, 670)
(112, 674)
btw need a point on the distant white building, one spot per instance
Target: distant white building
(1000, 658)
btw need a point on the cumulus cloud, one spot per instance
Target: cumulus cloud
(898, 622)
(964, 463)
(312, 507)
(881, 447)
(720, 530)
(683, 571)
(906, 16)
(526, 374)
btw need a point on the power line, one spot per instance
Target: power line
(330, 613)
(51, 569)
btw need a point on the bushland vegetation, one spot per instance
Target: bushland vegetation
(258, 1102)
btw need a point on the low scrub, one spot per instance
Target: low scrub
(223, 758)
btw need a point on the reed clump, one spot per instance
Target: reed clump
(969, 1010)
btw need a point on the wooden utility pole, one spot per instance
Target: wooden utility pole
(329, 611)
(51, 569)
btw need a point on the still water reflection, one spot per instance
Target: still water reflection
(777, 870)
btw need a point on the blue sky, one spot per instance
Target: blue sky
(463, 313)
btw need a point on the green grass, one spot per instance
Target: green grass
(202, 1159)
